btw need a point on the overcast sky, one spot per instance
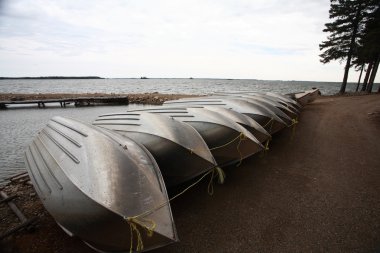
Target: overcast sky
(260, 39)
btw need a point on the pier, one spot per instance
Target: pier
(79, 101)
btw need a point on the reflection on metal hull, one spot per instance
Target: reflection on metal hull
(257, 111)
(179, 150)
(228, 141)
(90, 180)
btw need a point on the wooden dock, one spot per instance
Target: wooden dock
(79, 101)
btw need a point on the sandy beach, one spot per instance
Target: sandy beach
(316, 189)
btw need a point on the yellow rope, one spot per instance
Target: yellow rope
(267, 143)
(221, 176)
(133, 228)
(241, 136)
(141, 221)
(270, 121)
(294, 124)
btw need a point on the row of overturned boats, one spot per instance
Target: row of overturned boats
(107, 182)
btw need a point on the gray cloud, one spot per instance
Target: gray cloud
(202, 35)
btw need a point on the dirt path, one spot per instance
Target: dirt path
(317, 189)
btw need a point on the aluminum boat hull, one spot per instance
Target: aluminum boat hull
(90, 180)
(228, 141)
(178, 148)
(263, 115)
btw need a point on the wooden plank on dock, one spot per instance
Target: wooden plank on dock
(79, 101)
(25, 223)
(14, 208)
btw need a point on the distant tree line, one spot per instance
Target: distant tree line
(54, 77)
(354, 36)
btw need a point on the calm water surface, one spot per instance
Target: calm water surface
(20, 125)
(188, 86)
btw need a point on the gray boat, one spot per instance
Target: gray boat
(285, 98)
(271, 104)
(307, 96)
(94, 183)
(251, 125)
(266, 117)
(248, 123)
(290, 109)
(167, 140)
(228, 141)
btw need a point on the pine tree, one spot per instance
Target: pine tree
(371, 45)
(349, 19)
(369, 49)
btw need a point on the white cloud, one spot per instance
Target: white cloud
(264, 39)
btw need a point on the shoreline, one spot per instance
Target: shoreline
(154, 98)
(316, 189)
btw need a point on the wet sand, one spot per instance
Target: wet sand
(316, 189)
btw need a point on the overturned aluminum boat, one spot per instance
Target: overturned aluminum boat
(95, 182)
(268, 101)
(283, 99)
(265, 116)
(306, 97)
(167, 140)
(248, 123)
(288, 109)
(284, 112)
(228, 141)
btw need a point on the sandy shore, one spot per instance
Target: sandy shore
(317, 189)
(143, 98)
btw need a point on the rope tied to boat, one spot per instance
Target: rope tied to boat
(267, 143)
(133, 222)
(294, 122)
(221, 176)
(241, 136)
(293, 125)
(269, 122)
(149, 225)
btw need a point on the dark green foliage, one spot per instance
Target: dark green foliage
(347, 31)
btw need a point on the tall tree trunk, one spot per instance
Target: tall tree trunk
(373, 74)
(360, 77)
(367, 74)
(349, 56)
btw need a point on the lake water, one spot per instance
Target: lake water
(20, 125)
